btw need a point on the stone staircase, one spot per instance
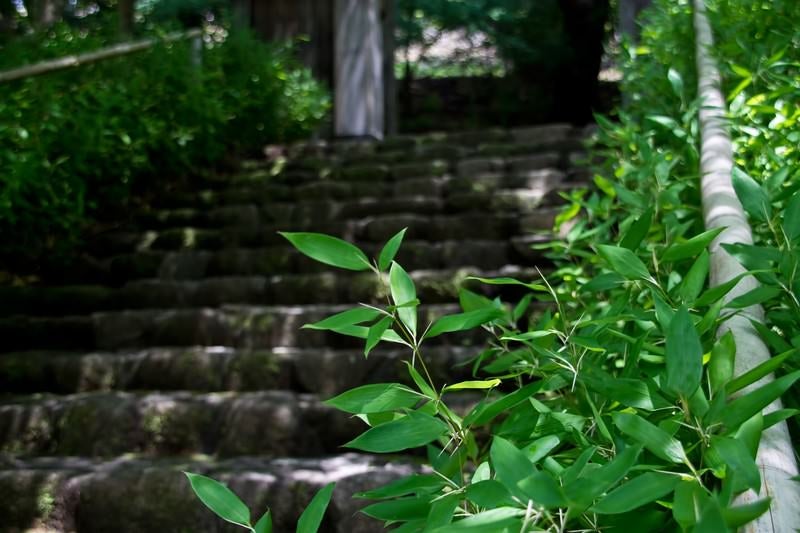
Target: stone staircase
(176, 343)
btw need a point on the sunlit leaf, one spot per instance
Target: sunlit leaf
(329, 250)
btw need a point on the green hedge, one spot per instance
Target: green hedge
(82, 141)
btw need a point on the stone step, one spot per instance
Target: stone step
(134, 494)
(433, 286)
(103, 424)
(413, 255)
(251, 327)
(207, 369)
(366, 181)
(378, 229)
(487, 192)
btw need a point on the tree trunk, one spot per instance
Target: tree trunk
(125, 11)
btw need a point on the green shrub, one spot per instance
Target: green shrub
(80, 142)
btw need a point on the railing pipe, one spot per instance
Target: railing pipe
(722, 209)
(117, 50)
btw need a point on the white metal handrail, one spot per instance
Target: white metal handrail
(722, 209)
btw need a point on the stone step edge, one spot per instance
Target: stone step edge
(130, 495)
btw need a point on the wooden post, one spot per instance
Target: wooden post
(359, 64)
(722, 209)
(389, 79)
(125, 12)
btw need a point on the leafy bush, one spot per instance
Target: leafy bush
(611, 404)
(79, 142)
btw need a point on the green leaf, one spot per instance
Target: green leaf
(483, 413)
(715, 293)
(481, 385)
(756, 296)
(494, 520)
(489, 493)
(329, 250)
(420, 382)
(689, 500)
(754, 374)
(603, 282)
(413, 484)
(341, 320)
(375, 333)
(585, 489)
(694, 281)
(510, 464)
(543, 489)
(375, 398)
(711, 520)
(624, 262)
(403, 509)
(638, 492)
(264, 525)
(741, 409)
(415, 429)
(655, 439)
(311, 518)
(691, 247)
(510, 281)
(736, 517)
(754, 199)
(791, 218)
(220, 499)
(464, 321)
(402, 289)
(637, 231)
(390, 250)
(721, 363)
(676, 81)
(442, 509)
(684, 355)
(738, 459)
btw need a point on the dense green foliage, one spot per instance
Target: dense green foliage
(81, 141)
(609, 403)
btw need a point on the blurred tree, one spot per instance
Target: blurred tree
(555, 44)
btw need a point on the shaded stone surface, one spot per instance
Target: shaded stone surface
(174, 343)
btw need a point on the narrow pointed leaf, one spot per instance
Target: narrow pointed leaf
(311, 518)
(390, 250)
(375, 398)
(624, 262)
(684, 355)
(692, 247)
(637, 231)
(741, 409)
(655, 439)
(220, 499)
(264, 525)
(463, 321)
(375, 333)
(754, 200)
(479, 385)
(735, 517)
(401, 509)
(411, 431)
(639, 491)
(329, 250)
(720, 365)
(791, 218)
(510, 464)
(694, 281)
(341, 320)
(738, 460)
(403, 290)
(754, 374)
(756, 296)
